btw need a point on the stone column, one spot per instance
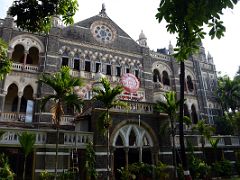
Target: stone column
(126, 156)
(20, 94)
(140, 154)
(25, 59)
(3, 104)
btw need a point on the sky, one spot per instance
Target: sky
(136, 15)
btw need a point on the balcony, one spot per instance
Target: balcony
(10, 137)
(21, 117)
(27, 67)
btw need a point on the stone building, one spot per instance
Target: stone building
(92, 48)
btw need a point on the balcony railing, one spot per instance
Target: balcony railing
(195, 140)
(136, 107)
(10, 136)
(13, 116)
(27, 67)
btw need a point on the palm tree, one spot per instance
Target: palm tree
(107, 95)
(27, 141)
(63, 84)
(205, 130)
(170, 107)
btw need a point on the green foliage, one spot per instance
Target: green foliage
(36, 15)
(5, 170)
(45, 175)
(237, 154)
(140, 170)
(90, 161)
(5, 62)
(63, 84)
(187, 18)
(204, 129)
(160, 170)
(225, 125)
(107, 95)
(198, 168)
(126, 174)
(27, 141)
(180, 172)
(228, 93)
(222, 168)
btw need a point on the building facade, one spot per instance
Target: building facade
(92, 47)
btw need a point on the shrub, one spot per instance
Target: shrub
(5, 170)
(222, 168)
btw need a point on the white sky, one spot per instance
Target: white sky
(136, 15)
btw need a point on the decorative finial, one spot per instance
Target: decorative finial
(103, 11)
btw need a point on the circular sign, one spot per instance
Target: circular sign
(130, 82)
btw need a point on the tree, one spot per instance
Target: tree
(170, 106)
(107, 95)
(63, 85)
(5, 62)
(90, 162)
(27, 141)
(36, 15)
(228, 93)
(205, 130)
(186, 19)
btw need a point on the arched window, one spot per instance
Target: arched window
(156, 76)
(189, 84)
(33, 56)
(194, 115)
(27, 95)
(132, 138)
(186, 111)
(119, 141)
(11, 101)
(166, 80)
(18, 54)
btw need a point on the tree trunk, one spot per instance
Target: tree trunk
(174, 149)
(108, 148)
(56, 157)
(181, 114)
(24, 167)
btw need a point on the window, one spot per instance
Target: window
(87, 66)
(109, 70)
(189, 83)
(118, 71)
(166, 80)
(76, 64)
(98, 67)
(64, 61)
(194, 114)
(156, 76)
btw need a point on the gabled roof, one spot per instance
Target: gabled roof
(81, 31)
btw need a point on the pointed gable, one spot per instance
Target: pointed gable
(101, 30)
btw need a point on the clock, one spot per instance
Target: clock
(130, 82)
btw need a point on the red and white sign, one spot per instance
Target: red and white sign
(130, 82)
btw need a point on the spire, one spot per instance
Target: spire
(209, 58)
(142, 39)
(103, 11)
(170, 48)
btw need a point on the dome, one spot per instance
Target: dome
(142, 35)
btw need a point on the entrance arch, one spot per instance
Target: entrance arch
(132, 143)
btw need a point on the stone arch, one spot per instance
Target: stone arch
(18, 53)
(165, 78)
(145, 126)
(190, 73)
(27, 41)
(11, 99)
(189, 83)
(156, 76)
(162, 67)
